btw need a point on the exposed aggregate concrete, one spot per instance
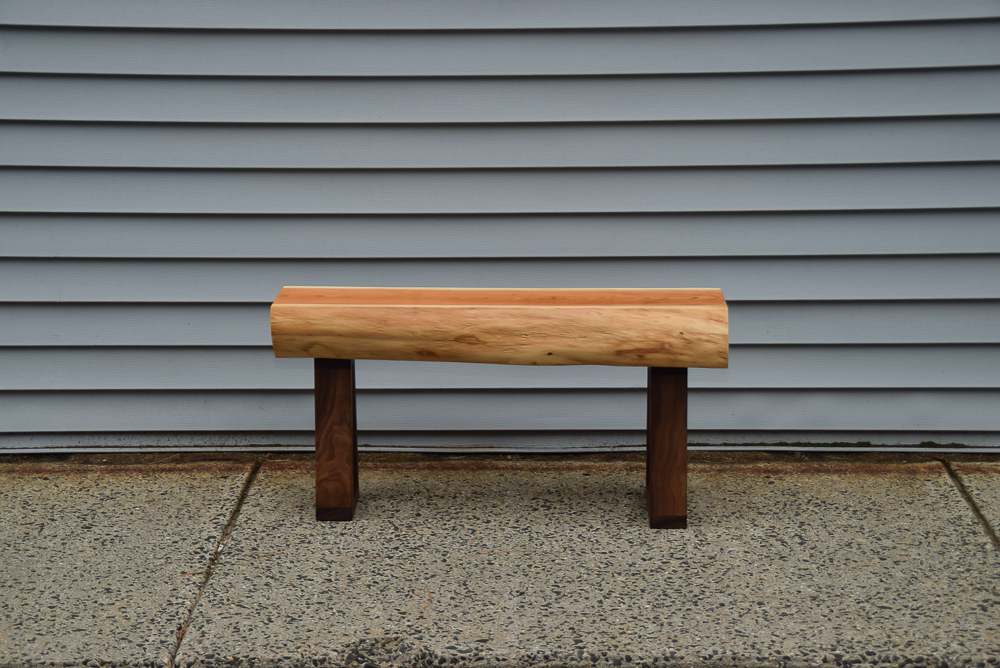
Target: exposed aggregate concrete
(782, 566)
(100, 565)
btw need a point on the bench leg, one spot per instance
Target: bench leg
(336, 440)
(666, 447)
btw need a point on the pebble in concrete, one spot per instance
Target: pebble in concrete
(101, 564)
(527, 565)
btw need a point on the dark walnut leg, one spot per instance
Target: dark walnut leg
(336, 441)
(666, 448)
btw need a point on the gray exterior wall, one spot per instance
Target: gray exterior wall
(168, 167)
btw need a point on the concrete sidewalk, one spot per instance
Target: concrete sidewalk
(528, 562)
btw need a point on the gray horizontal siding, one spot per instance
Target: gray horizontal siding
(488, 410)
(765, 367)
(831, 166)
(650, 51)
(755, 143)
(772, 323)
(502, 99)
(457, 14)
(951, 231)
(741, 279)
(502, 191)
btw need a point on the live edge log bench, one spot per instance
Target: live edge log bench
(665, 330)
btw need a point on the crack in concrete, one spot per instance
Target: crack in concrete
(216, 557)
(956, 478)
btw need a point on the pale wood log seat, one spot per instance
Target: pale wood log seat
(667, 330)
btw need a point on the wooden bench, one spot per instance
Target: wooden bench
(665, 330)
